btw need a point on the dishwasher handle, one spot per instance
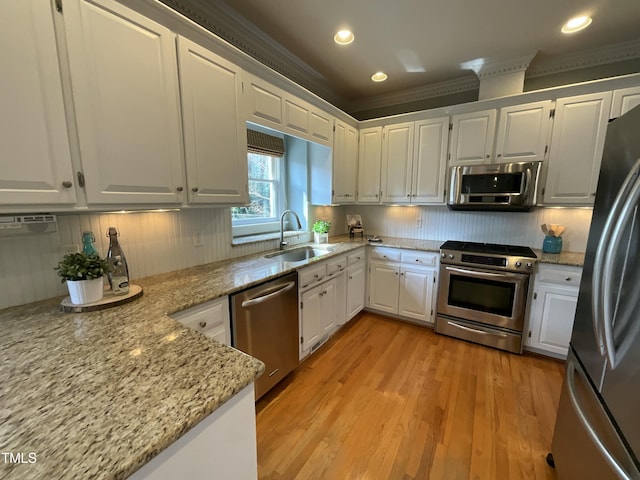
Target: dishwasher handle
(263, 298)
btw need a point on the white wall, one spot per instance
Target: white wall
(158, 242)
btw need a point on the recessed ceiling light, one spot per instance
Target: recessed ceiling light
(379, 77)
(576, 24)
(344, 37)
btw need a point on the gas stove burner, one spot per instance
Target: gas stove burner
(488, 255)
(488, 248)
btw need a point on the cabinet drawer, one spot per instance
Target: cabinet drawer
(211, 319)
(560, 274)
(336, 265)
(311, 276)
(386, 254)
(355, 257)
(425, 259)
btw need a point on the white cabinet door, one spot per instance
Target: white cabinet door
(214, 128)
(263, 102)
(355, 289)
(575, 153)
(397, 156)
(320, 127)
(345, 163)
(318, 313)
(36, 161)
(384, 286)
(472, 137)
(311, 317)
(416, 293)
(329, 303)
(552, 318)
(125, 86)
(429, 168)
(369, 161)
(523, 131)
(296, 115)
(624, 100)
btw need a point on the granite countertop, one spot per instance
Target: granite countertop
(98, 394)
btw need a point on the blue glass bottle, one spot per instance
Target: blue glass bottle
(87, 243)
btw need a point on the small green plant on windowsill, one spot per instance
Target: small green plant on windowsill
(321, 226)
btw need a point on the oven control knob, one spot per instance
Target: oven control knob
(451, 256)
(518, 264)
(443, 255)
(529, 265)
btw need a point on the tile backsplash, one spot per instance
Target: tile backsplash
(158, 242)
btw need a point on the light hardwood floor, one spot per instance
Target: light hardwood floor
(385, 399)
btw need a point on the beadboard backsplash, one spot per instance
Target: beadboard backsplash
(440, 223)
(158, 242)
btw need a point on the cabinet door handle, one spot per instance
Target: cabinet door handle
(568, 279)
(67, 184)
(202, 324)
(194, 189)
(179, 189)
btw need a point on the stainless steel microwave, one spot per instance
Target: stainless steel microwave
(496, 186)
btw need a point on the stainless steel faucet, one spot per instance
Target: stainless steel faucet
(282, 242)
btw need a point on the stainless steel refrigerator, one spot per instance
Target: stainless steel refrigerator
(597, 433)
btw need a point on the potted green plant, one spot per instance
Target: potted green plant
(83, 274)
(321, 231)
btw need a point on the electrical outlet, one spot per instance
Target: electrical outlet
(69, 248)
(418, 222)
(198, 240)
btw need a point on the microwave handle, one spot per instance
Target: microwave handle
(527, 182)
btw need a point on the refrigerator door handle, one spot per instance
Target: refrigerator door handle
(622, 208)
(571, 389)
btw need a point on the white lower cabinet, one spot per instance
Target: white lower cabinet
(210, 318)
(403, 283)
(318, 315)
(356, 285)
(553, 308)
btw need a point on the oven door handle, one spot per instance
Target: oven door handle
(484, 274)
(474, 330)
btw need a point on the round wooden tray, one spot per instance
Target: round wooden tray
(108, 300)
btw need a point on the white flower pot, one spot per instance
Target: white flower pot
(321, 237)
(85, 291)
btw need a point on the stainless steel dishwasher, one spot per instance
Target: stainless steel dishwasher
(264, 324)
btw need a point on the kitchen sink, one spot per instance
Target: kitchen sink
(299, 254)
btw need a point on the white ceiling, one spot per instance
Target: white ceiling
(425, 42)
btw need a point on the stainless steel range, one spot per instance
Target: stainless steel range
(483, 292)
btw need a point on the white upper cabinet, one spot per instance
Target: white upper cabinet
(575, 153)
(624, 100)
(428, 173)
(36, 161)
(414, 158)
(215, 135)
(345, 163)
(472, 137)
(272, 107)
(523, 132)
(397, 156)
(369, 161)
(263, 102)
(125, 88)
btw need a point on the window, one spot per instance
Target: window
(266, 194)
(268, 187)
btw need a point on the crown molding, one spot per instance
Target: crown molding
(232, 27)
(417, 94)
(618, 52)
(496, 68)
